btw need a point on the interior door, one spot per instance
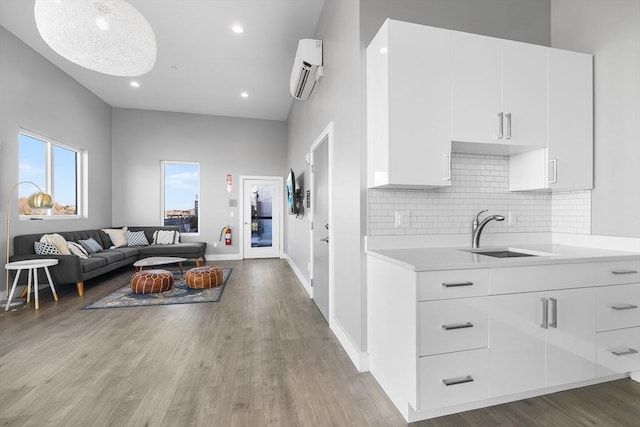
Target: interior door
(320, 219)
(262, 208)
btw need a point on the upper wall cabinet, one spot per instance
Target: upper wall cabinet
(499, 91)
(567, 162)
(409, 107)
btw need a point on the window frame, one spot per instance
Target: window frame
(81, 176)
(163, 164)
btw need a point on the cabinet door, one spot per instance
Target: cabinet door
(571, 337)
(570, 120)
(475, 88)
(524, 93)
(516, 343)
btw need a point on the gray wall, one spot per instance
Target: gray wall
(222, 145)
(520, 20)
(39, 97)
(610, 30)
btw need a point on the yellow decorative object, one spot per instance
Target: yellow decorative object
(40, 200)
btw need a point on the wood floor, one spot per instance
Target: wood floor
(262, 356)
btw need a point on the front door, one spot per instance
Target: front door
(321, 225)
(262, 208)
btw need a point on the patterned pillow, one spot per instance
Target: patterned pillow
(91, 246)
(117, 236)
(77, 249)
(58, 241)
(136, 238)
(45, 248)
(164, 237)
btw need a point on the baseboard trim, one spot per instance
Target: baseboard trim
(359, 359)
(223, 257)
(306, 285)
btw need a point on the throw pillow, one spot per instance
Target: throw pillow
(58, 241)
(77, 249)
(136, 238)
(117, 236)
(164, 237)
(45, 248)
(91, 245)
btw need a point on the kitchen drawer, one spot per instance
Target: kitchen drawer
(618, 272)
(511, 280)
(452, 325)
(618, 307)
(624, 342)
(466, 372)
(434, 285)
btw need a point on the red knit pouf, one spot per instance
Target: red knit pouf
(151, 281)
(204, 277)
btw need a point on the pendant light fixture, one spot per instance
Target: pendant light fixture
(107, 36)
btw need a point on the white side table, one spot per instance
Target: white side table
(32, 265)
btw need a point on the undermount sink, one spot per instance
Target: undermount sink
(506, 252)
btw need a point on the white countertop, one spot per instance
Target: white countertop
(426, 259)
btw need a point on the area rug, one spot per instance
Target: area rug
(180, 293)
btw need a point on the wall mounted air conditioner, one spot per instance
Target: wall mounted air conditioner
(307, 68)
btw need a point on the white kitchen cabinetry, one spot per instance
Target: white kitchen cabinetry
(499, 91)
(567, 162)
(552, 334)
(446, 341)
(409, 107)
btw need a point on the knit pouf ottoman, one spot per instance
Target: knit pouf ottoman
(204, 277)
(151, 281)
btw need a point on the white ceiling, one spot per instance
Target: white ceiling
(214, 64)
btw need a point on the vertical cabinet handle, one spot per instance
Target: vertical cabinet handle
(508, 117)
(446, 167)
(554, 312)
(545, 313)
(500, 125)
(553, 171)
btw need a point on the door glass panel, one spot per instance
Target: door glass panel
(261, 215)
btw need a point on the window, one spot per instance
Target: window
(55, 168)
(181, 186)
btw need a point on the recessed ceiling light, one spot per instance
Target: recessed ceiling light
(237, 29)
(244, 94)
(134, 83)
(383, 50)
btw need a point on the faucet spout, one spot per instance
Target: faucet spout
(477, 226)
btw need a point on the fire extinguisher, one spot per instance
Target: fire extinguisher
(226, 231)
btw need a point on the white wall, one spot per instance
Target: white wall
(610, 30)
(222, 145)
(37, 96)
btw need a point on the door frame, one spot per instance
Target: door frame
(241, 206)
(327, 134)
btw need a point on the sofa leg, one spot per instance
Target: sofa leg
(197, 262)
(80, 288)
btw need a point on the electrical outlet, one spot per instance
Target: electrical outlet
(512, 218)
(215, 244)
(403, 219)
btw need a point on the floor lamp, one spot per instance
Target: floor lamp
(38, 200)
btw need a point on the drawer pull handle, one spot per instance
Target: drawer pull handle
(456, 284)
(624, 272)
(623, 352)
(455, 381)
(457, 326)
(624, 306)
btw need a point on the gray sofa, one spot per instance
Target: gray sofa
(73, 269)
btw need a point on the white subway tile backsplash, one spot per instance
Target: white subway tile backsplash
(479, 181)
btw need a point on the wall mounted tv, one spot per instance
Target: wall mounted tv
(291, 193)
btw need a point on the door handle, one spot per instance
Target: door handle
(508, 117)
(326, 239)
(554, 313)
(545, 313)
(500, 125)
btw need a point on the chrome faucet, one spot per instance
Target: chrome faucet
(477, 226)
